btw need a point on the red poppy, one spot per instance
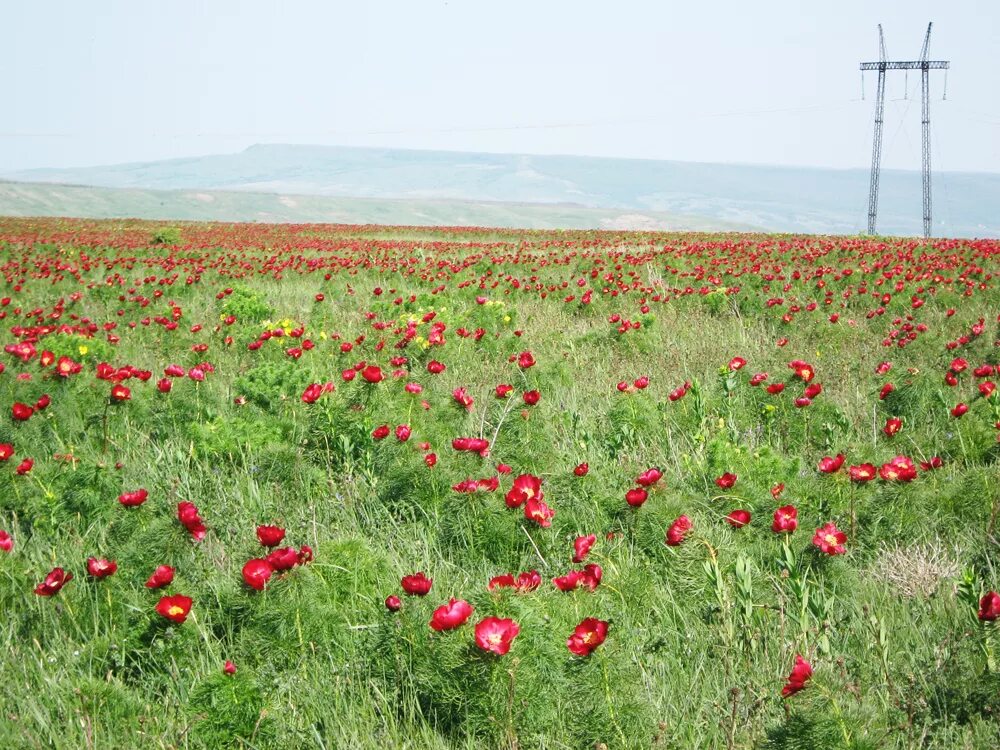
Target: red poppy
(162, 576)
(678, 530)
(435, 368)
(861, 473)
(417, 584)
(582, 546)
(738, 518)
(381, 432)
(800, 674)
(257, 573)
(959, 410)
(120, 392)
(581, 470)
(100, 568)
(892, 426)
(312, 393)
(802, 370)
(537, 511)
(812, 390)
(726, 481)
(899, 469)
(174, 608)
(830, 540)
(525, 360)
(495, 634)
(133, 498)
(270, 536)
(989, 607)
(285, 558)
(6, 451)
(829, 465)
(531, 397)
(54, 581)
(587, 636)
(503, 390)
(737, 363)
(785, 519)
(393, 603)
(451, 615)
(987, 389)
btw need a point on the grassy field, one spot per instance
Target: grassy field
(662, 427)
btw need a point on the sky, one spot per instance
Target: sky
(772, 82)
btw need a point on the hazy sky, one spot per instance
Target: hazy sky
(109, 81)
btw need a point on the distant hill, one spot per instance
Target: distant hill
(43, 199)
(772, 198)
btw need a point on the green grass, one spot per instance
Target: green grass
(702, 635)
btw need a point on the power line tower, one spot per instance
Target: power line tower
(924, 66)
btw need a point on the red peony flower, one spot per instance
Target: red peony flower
(21, 412)
(393, 603)
(537, 511)
(162, 576)
(6, 451)
(862, 473)
(636, 496)
(829, 465)
(54, 581)
(830, 540)
(403, 433)
(892, 426)
(285, 558)
(959, 410)
(800, 674)
(581, 470)
(270, 536)
(785, 519)
(678, 530)
(582, 546)
(381, 432)
(451, 615)
(417, 584)
(587, 636)
(531, 397)
(738, 518)
(373, 374)
(6, 542)
(989, 607)
(526, 487)
(100, 568)
(229, 667)
(726, 481)
(174, 608)
(737, 363)
(257, 572)
(495, 634)
(134, 498)
(120, 392)
(187, 514)
(649, 477)
(312, 393)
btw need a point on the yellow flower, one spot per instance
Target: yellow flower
(506, 319)
(83, 349)
(322, 335)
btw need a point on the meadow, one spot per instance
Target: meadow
(331, 486)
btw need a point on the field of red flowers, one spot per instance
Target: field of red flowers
(328, 486)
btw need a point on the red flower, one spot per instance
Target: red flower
(403, 433)
(163, 385)
(899, 469)
(229, 667)
(496, 634)
(726, 481)
(641, 383)
(175, 608)
(270, 536)
(989, 607)
(526, 487)
(738, 518)
(812, 390)
(285, 558)
(737, 363)
(775, 388)
(587, 636)
(134, 498)
(649, 477)
(393, 603)
(462, 398)
(589, 577)
(503, 390)
(187, 514)
(892, 426)
(785, 519)
(312, 393)
(417, 584)
(451, 615)
(800, 674)
(531, 397)
(6, 543)
(21, 412)
(101, 568)
(257, 573)
(802, 370)
(987, 389)
(581, 470)
(120, 392)
(373, 374)
(829, 465)
(162, 576)
(959, 410)
(886, 390)
(861, 473)
(678, 530)
(381, 432)
(524, 583)
(830, 540)
(54, 581)
(25, 466)
(582, 546)
(537, 511)
(6, 451)
(636, 496)
(525, 360)
(434, 367)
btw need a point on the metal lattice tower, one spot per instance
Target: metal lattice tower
(924, 66)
